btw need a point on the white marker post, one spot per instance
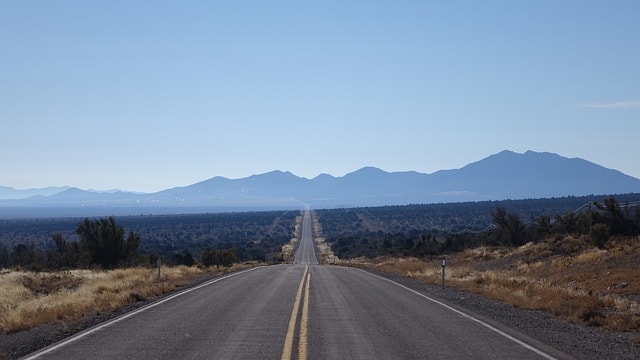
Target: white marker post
(159, 262)
(444, 263)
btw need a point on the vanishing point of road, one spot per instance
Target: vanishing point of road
(299, 311)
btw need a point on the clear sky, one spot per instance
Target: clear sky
(147, 95)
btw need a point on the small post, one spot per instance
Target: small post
(159, 262)
(444, 263)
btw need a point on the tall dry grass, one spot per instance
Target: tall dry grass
(325, 253)
(592, 286)
(324, 249)
(288, 249)
(29, 299)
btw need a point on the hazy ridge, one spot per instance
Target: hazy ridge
(506, 175)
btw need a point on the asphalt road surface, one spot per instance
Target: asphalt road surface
(299, 311)
(306, 252)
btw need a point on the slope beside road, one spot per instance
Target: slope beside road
(299, 311)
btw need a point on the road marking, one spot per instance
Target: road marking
(128, 315)
(304, 323)
(490, 327)
(287, 349)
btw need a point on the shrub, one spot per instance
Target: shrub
(105, 243)
(599, 234)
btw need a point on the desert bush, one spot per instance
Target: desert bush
(599, 234)
(105, 242)
(225, 258)
(571, 245)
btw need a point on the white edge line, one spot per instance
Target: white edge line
(490, 327)
(128, 315)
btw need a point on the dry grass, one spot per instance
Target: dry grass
(29, 300)
(324, 250)
(288, 250)
(563, 277)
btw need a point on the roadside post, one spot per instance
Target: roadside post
(159, 262)
(444, 263)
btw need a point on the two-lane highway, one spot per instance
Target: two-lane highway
(306, 252)
(299, 311)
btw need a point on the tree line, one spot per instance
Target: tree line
(175, 239)
(595, 225)
(220, 239)
(378, 232)
(102, 243)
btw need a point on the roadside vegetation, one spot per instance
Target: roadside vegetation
(325, 253)
(289, 249)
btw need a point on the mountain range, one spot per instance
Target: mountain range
(506, 175)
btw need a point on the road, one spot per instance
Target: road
(306, 252)
(299, 311)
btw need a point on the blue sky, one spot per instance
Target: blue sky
(147, 95)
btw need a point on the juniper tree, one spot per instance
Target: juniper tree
(105, 242)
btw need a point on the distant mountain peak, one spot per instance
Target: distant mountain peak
(274, 173)
(368, 170)
(324, 176)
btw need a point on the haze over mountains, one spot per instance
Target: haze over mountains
(506, 175)
(7, 193)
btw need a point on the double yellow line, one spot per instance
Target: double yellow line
(287, 350)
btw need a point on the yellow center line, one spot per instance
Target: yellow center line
(304, 323)
(288, 341)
